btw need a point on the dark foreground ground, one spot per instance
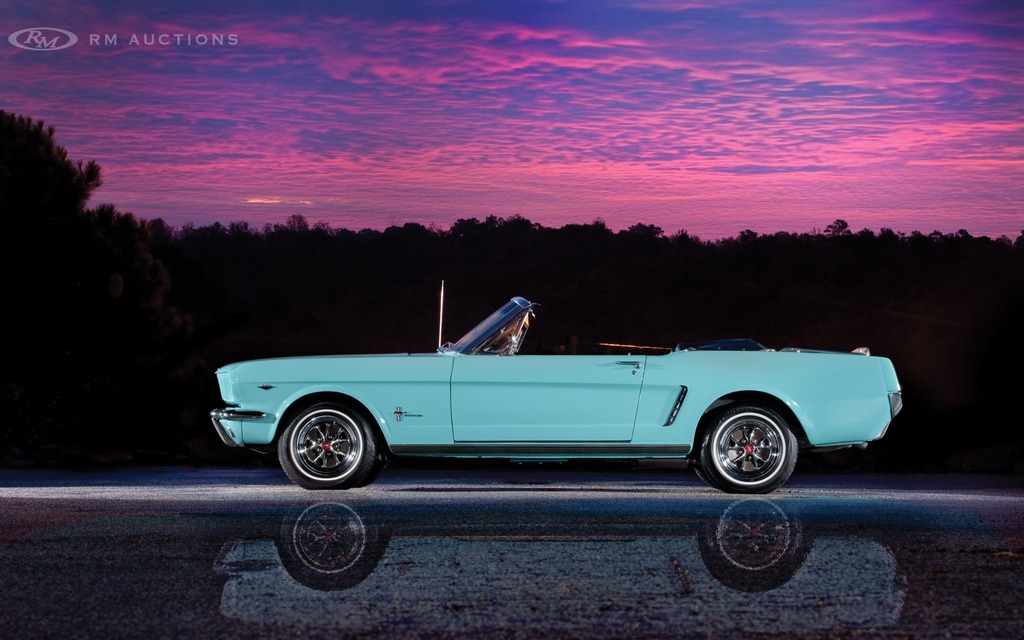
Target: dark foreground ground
(499, 551)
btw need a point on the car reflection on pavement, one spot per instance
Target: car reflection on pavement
(730, 566)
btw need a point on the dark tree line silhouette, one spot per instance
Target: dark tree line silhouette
(120, 322)
(88, 328)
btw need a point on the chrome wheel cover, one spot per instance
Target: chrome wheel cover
(749, 448)
(327, 445)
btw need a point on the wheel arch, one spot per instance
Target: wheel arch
(710, 414)
(301, 403)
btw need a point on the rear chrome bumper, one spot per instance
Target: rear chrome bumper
(895, 403)
(895, 406)
(221, 419)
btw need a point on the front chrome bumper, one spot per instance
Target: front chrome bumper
(221, 417)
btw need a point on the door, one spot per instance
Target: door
(545, 398)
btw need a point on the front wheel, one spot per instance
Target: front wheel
(327, 446)
(749, 449)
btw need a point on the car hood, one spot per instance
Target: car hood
(228, 368)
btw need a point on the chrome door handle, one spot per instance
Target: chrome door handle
(636, 364)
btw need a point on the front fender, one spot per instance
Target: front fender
(285, 406)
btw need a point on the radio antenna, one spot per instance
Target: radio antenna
(440, 319)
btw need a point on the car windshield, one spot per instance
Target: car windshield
(500, 333)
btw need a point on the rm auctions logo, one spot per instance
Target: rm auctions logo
(43, 39)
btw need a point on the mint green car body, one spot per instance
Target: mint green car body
(480, 398)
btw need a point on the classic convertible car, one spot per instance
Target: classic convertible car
(734, 410)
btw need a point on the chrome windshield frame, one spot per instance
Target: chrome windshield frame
(511, 320)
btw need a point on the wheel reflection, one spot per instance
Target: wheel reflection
(754, 546)
(327, 546)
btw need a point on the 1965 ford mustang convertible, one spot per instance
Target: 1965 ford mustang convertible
(736, 411)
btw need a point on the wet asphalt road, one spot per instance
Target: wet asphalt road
(501, 551)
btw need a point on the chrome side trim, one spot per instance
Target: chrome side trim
(498, 450)
(675, 407)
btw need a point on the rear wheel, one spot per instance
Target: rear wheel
(750, 448)
(327, 446)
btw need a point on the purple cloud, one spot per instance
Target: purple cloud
(711, 117)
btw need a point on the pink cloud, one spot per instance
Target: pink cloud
(766, 117)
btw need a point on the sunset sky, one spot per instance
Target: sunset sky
(705, 116)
